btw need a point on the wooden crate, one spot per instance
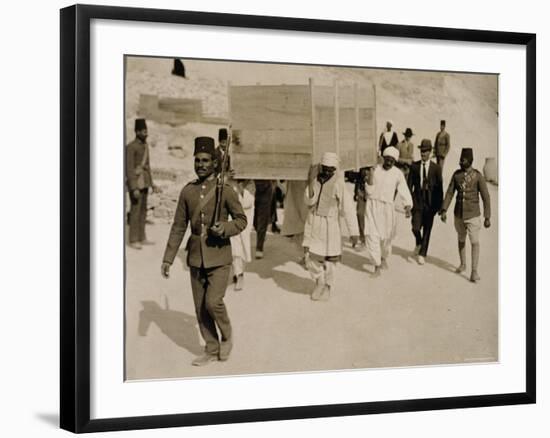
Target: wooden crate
(280, 130)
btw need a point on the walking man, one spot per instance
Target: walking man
(426, 186)
(360, 197)
(263, 203)
(138, 181)
(442, 144)
(208, 249)
(384, 182)
(469, 184)
(327, 200)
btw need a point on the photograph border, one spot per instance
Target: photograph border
(75, 244)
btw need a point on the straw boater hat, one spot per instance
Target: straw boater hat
(390, 151)
(330, 159)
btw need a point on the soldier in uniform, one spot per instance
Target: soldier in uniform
(442, 144)
(220, 150)
(138, 181)
(209, 249)
(469, 184)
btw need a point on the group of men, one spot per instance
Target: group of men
(217, 219)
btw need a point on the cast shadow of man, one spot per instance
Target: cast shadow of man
(179, 327)
(281, 252)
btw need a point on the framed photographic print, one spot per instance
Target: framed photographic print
(268, 218)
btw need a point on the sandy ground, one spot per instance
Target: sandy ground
(412, 315)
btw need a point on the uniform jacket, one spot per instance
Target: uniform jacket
(204, 249)
(134, 157)
(442, 144)
(468, 185)
(434, 186)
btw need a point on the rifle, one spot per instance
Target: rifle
(221, 180)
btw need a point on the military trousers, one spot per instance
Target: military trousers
(138, 215)
(208, 286)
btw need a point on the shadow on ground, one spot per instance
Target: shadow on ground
(179, 327)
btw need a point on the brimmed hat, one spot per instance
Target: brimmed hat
(222, 134)
(140, 124)
(467, 153)
(204, 144)
(330, 159)
(390, 151)
(425, 145)
(408, 132)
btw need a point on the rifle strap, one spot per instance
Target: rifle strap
(203, 203)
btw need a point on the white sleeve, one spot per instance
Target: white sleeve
(403, 190)
(310, 201)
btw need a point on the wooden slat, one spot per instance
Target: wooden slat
(273, 140)
(271, 166)
(270, 107)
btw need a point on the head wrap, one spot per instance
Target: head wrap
(467, 153)
(425, 145)
(330, 159)
(391, 151)
(204, 144)
(140, 124)
(389, 121)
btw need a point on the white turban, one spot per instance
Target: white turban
(389, 121)
(390, 151)
(330, 159)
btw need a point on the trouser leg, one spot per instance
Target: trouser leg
(427, 223)
(330, 270)
(361, 223)
(136, 203)
(416, 222)
(386, 247)
(238, 265)
(207, 326)
(143, 215)
(316, 269)
(373, 249)
(217, 283)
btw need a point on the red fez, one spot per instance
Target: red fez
(467, 153)
(222, 134)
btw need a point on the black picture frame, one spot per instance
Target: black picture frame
(75, 217)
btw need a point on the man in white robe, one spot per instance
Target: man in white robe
(328, 200)
(384, 183)
(240, 244)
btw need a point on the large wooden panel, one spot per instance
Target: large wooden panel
(280, 130)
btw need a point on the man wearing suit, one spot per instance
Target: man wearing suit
(209, 249)
(426, 185)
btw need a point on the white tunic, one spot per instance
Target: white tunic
(323, 234)
(380, 211)
(240, 244)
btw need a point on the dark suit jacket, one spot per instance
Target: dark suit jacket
(204, 249)
(435, 186)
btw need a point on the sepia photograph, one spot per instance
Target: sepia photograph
(292, 218)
